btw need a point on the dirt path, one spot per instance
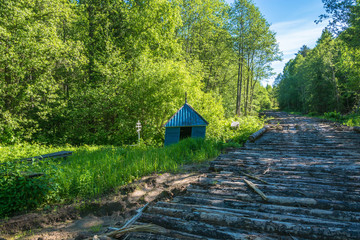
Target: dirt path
(310, 175)
(83, 220)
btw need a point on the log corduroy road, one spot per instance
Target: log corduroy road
(309, 171)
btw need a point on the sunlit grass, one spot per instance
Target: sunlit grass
(26, 150)
(92, 171)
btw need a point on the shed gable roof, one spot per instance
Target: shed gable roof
(186, 116)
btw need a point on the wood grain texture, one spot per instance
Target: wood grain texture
(308, 170)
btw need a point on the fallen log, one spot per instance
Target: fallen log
(258, 134)
(223, 187)
(267, 208)
(196, 227)
(185, 210)
(305, 202)
(137, 228)
(276, 226)
(170, 235)
(24, 174)
(213, 223)
(280, 209)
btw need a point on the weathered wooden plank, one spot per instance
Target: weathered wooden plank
(229, 188)
(357, 129)
(312, 170)
(200, 228)
(273, 225)
(61, 154)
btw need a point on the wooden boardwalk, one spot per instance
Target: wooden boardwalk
(310, 174)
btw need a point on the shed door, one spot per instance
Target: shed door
(172, 135)
(198, 132)
(185, 132)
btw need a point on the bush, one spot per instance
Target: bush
(312, 114)
(95, 170)
(352, 120)
(19, 191)
(333, 115)
(247, 126)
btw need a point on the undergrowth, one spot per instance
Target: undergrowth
(95, 170)
(351, 120)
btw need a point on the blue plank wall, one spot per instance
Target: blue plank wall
(172, 135)
(198, 132)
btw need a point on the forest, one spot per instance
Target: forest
(85, 71)
(326, 79)
(77, 75)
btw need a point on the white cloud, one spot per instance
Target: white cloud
(291, 36)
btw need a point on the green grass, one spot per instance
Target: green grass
(349, 120)
(247, 126)
(88, 174)
(91, 171)
(25, 150)
(95, 170)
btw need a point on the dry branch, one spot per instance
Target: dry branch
(136, 217)
(137, 228)
(253, 177)
(118, 233)
(258, 191)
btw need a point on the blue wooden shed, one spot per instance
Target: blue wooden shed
(186, 122)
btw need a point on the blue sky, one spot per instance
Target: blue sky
(293, 22)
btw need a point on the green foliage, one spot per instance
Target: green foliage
(89, 174)
(19, 191)
(84, 72)
(255, 48)
(92, 171)
(247, 126)
(352, 120)
(333, 115)
(340, 12)
(95, 170)
(325, 79)
(26, 150)
(349, 120)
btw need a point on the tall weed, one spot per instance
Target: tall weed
(95, 170)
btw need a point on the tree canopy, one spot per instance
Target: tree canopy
(86, 71)
(326, 78)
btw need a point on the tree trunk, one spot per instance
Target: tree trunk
(252, 92)
(239, 82)
(91, 45)
(336, 89)
(239, 88)
(247, 86)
